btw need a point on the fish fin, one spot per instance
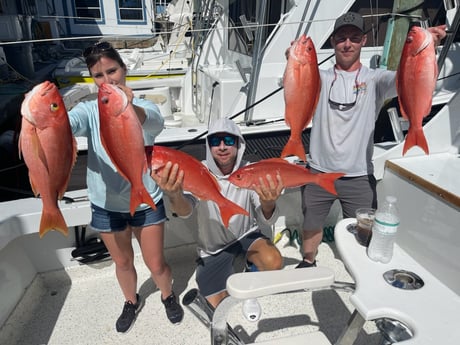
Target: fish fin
(228, 209)
(38, 149)
(326, 181)
(63, 189)
(139, 196)
(52, 220)
(427, 41)
(294, 147)
(33, 187)
(148, 153)
(415, 137)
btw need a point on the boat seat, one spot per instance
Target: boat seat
(242, 286)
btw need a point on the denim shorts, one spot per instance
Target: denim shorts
(109, 221)
(212, 271)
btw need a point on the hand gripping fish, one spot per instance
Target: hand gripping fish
(415, 82)
(197, 180)
(302, 86)
(49, 150)
(291, 174)
(122, 138)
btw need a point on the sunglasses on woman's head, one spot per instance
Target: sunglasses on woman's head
(229, 140)
(97, 48)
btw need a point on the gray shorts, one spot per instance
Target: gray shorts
(352, 192)
(212, 271)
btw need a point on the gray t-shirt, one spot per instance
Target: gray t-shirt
(342, 134)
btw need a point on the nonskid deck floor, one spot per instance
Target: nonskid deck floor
(79, 306)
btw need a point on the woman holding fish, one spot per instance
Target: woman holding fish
(219, 245)
(343, 124)
(124, 199)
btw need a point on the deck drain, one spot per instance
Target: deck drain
(402, 279)
(393, 330)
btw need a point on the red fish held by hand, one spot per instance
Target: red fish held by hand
(122, 138)
(291, 174)
(415, 82)
(49, 150)
(302, 86)
(197, 180)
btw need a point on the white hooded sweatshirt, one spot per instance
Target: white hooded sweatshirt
(213, 237)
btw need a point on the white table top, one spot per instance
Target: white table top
(431, 312)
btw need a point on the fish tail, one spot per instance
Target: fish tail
(326, 181)
(415, 137)
(52, 220)
(228, 209)
(294, 147)
(139, 196)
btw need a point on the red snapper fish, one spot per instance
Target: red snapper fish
(415, 82)
(302, 86)
(197, 180)
(292, 175)
(49, 150)
(122, 139)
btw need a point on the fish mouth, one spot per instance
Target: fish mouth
(47, 88)
(106, 90)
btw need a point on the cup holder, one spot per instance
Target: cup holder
(393, 331)
(402, 279)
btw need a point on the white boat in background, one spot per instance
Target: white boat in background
(49, 296)
(168, 56)
(238, 65)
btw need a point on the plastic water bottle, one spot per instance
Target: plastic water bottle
(384, 230)
(251, 306)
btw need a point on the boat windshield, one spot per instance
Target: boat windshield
(244, 21)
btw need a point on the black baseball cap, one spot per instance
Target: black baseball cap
(349, 18)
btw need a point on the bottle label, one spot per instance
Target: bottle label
(381, 222)
(384, 229)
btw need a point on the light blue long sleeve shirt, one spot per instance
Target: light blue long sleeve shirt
(106, 188)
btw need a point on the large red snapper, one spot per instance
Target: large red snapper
(49, 150)
(197, 180)
(302, 86)
(291, 174)
(415, 82)
(121, 136)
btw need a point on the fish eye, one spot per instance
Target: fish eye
(105, 100)
(54, 106)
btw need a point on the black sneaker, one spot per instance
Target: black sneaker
(174, 311)
(128, 315)
(304, 264)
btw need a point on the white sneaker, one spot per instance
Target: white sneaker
(252, 309)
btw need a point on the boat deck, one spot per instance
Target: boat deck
(79, 305)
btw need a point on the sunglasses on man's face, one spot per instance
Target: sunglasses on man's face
(97, 48)
(229, 140)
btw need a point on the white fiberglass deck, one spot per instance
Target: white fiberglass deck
(80, 305)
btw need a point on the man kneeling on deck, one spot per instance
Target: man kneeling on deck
(218, 246)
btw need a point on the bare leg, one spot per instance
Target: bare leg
(120, 248)
(310, 243)
(264, 254)
(151, 242)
